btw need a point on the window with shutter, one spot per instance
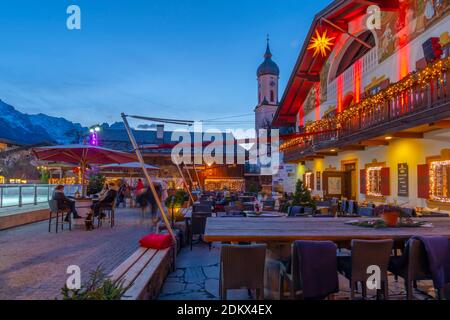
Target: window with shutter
(362, 181)
(385, 181)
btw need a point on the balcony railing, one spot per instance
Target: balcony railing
(410, 107)
(13, 195)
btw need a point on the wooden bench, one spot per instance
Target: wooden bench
(144, 272)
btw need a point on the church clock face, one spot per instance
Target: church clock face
(272, 83)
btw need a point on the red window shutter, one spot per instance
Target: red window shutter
(385, 182)
(362, 181)
(423, 181)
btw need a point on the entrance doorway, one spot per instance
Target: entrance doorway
(350, 169)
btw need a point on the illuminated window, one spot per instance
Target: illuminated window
(373, 181)
(440, 181)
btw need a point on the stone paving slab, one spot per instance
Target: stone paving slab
(33, 262)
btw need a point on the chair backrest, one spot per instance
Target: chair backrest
(53, 205)
(229, 209)
(295, 211)
(366, 211)
(344, 206)
(323, 203)
(351, 207)
(202, 208)
(198, 222)
(408, 212)
(207, 202)
(320, 257)
(367, 253)
(242, 266)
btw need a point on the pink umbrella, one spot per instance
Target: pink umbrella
(83, 155)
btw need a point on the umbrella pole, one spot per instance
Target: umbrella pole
(189, 175)
(185, 183)
(83, 185)
(198, 179)
(147, 176)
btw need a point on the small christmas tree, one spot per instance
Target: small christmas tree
(302, 196)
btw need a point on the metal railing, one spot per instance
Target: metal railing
(18, 195)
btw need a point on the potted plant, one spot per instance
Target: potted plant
(174, 202)
(98, 287)
(390, 214)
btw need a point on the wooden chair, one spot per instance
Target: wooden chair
(59, 215)
(110, 212)
(242, 266)
(366, 253)
(290, 272)
(412, 267)
(197, 225)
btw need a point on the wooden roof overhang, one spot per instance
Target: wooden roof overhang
(307, 69)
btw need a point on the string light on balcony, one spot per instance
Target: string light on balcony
(369, 104)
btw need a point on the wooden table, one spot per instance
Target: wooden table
(279, 233)
(291, 229)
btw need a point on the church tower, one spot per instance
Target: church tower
(268, 75)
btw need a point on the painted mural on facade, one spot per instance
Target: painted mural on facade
(414, 17)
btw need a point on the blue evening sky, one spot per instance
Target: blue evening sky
(188, 59)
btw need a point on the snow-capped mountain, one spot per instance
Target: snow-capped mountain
(39, 128)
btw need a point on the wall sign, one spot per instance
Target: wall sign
(403, 180)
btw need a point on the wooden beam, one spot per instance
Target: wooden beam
(370, 143)
(443, 124)
(415, 135)
(309, 77)
(327, 154)
(353, 148)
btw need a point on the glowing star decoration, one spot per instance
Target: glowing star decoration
(321, 44)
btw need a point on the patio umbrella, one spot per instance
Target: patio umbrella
(131, 166)
(83, 155)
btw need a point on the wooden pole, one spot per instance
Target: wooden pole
(198, 179)
(351, 35)
(147, 176)
(185, 183)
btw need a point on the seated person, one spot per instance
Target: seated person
(64, 202)
(106, 200)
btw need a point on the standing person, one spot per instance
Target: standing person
(64, 202)
(127, 194)
(121, 194)
(139, 186)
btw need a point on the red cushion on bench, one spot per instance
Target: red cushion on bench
(156, 241)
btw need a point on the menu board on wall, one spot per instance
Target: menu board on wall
(403, 179)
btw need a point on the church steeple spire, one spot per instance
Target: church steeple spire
(268, 54)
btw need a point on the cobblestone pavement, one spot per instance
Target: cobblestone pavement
(197, 278)
(33, 262)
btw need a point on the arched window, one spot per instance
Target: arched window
(272, 96)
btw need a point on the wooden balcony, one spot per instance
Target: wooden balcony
(417, 106)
